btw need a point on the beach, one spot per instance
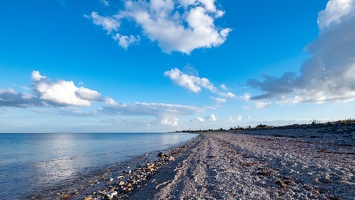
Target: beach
(306, 162)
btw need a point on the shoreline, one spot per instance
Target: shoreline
(96, 181)
(294, 163)
(291, 163)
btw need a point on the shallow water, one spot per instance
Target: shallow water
(35, 162)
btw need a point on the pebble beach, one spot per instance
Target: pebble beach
(294, 162)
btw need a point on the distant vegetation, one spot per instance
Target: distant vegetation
(314, 124)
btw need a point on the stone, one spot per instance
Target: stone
(66, 196)
(121, 183)
(281, 183)
(111, 188)
(171, 158)
(88, 198)
(340, 130)
(161, 155)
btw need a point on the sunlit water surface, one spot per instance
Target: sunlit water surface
(33, 162)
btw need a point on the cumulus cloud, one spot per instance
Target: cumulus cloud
(262, 104)
(335, 10)
(218, 100)
(167, 114)
(87, 94)
(224, 87)
(182, 25)
(110, 23)
(189, 82)
(64, 97)
(213, 118)
(329, 74)
(125, 41)
(14, 99)
(228, 95)
(61, 92)
(105, 2)
(47, 92)
(110, 102)
(189, 79)
(230, 119)
(200, 119)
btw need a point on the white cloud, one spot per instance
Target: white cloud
(105, 2)
(125, 41)
(228, 94)
(230, 119)
(245, 97)
(224, 87)
(87, 94)
(170, 121)
(109, 24)
(218, 100)
(334, 11)
(213, 118)
(35, 76)
(329, 74)
(14, 99)
(62, 92)
(200, 119)
(47, 92)
(238, 118)
(181, 25)
(262, 104)
(110, 102)
(167, 114)
(190, 82)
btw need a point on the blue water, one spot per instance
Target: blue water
(33, 162)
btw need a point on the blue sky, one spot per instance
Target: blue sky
(166, 65)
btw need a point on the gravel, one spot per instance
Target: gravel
(259, 164)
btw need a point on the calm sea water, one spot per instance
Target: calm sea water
(32, 162)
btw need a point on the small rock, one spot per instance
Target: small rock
(161, 155)
(66, 196)
(88, 198)
(111, 188)
(340, 131)
(281, 183)
(171, 158)
(121, 183)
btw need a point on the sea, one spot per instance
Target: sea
(33, 162)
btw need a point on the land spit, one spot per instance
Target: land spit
(292, 163)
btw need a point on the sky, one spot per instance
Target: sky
(170, 65)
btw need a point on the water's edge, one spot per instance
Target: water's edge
(96, 179)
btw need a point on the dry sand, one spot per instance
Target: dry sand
(259, 164)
